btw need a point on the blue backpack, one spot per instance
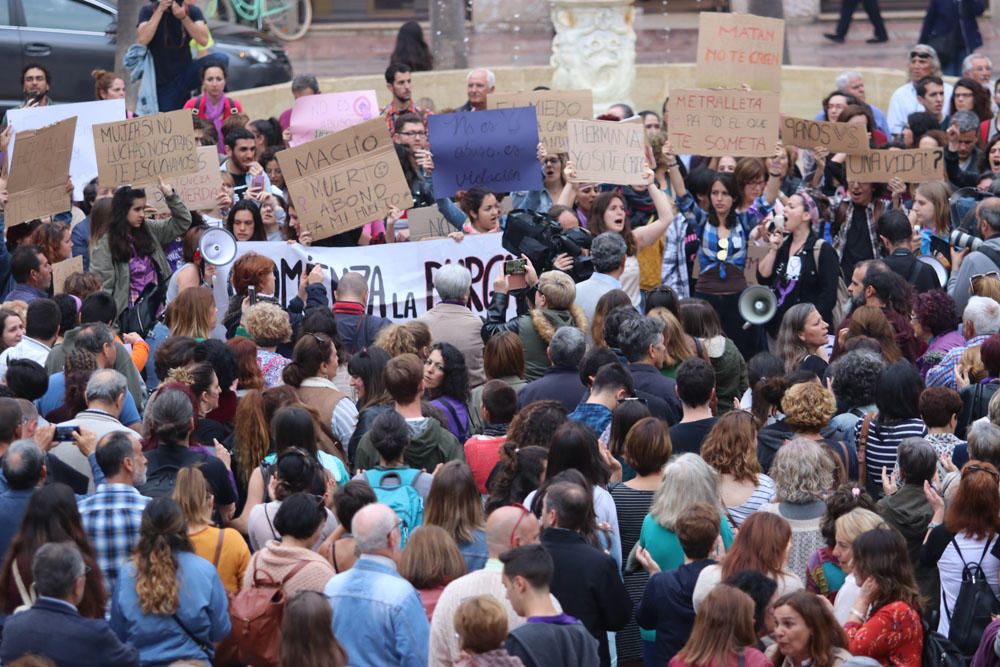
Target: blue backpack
(394, 487)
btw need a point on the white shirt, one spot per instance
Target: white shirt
(28, 348)
(904, 102)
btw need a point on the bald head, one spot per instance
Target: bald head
(352, 287)
(510, 527)
(374, 530)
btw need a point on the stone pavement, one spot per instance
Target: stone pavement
(341, 50)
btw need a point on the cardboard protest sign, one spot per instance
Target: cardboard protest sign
(724, 122)
(918, 165)
(141, 149)
(427, 222)
(847, 138)
(83, 166)
(553, 108)
(604, 151)
(737, 49)
(493, 149)
(345, 180)
(38, 173)
(316, 116)
(63, 270)
(198, 191)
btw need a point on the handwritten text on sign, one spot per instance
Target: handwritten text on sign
(910, 166)
(428, 222)
(39, 169)
(553, 108)
(198, 191)
(141, 149)
(345, 180)
(737, 49)
(319, 115)
(492, 149)
(849, 138)
(724, 122)
(607, 152)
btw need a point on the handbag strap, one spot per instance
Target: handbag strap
(26, 597)
(218, 548)
(866, 425)
(203, 645)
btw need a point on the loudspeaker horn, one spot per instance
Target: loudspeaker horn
(217, 246)
(757, 305)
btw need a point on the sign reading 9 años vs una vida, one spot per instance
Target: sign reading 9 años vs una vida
(141, 149)
(345, 180)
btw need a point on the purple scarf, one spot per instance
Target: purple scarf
(214, 113)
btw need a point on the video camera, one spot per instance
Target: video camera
(541, 239)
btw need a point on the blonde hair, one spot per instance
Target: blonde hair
(680, 346)
(396, 339)
(190, 313)
(857, 521)
(162, 532)
(808, 407)
(972, 361)
(193, 496)
(687, 480)
(267, 323)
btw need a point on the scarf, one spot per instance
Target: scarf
(215, 112)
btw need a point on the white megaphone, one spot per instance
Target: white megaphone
(217, 246)
(757, 305)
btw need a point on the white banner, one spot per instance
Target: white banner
(400, 275)
(83, 166)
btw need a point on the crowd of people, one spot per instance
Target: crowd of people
(626, 472)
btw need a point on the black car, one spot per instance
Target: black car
(74, 37)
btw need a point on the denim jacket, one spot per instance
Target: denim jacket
(378, 616)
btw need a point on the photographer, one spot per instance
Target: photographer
(965, 264)
(554, 292)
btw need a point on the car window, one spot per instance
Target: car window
(4, 12)
(64, 15)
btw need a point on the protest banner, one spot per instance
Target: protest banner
(400, 276)
(427, 222)
(199, 191)
(62, 270)
(918, 165)
(847, 138)
(739, 49)
(83, 165)
(142, 149)
(723, 122)
(604, 151)
(315, 116)
(345, 180)
(552, 108)
(38, 173)
(492, 149)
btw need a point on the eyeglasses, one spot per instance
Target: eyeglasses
(976, 281)
(552, 160)
(413, 134)
(923, 55)
(524, 512)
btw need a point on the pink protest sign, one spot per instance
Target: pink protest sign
(319, 115)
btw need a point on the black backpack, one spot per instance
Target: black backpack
(938, 651)
(161, 482)
(974, 607)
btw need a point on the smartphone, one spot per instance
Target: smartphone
(252, 295)
(239, 192)
(258, 181)
(65, 433)
(515, 269)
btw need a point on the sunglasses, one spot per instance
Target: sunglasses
(524, 512)
(977, 280)
(923, 55)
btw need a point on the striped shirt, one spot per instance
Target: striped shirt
(631, 506)
(761, 496)
(882, 444)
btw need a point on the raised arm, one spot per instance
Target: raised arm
(568, 195)
(144, 33)
(674, 171)
(666, 213)
(774, 177)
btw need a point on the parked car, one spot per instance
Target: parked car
(74, 37)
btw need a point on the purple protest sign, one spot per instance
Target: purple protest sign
(494, 149)
(318, 115)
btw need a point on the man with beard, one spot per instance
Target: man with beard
(399, 83)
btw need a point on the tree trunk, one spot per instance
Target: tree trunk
(128, 17)
(448, 34)
(774, 9)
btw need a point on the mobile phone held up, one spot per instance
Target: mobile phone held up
(257, 182)
(252, 295)
(515, 270)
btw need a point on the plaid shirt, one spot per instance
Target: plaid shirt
(674, 270)
(391, 113)
(111, 518)
(708, 252)
(943, 375)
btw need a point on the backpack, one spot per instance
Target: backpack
(256, 613)
(974, 606)
(938, 651)
(842, 294)
(161, 482)
(394, 487)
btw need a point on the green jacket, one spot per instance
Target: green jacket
(430, 446)
(114, 276)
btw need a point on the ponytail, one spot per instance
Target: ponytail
(156, 577)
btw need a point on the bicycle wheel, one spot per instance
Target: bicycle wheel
(293, 19)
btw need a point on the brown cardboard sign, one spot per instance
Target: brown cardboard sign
(427, 222)
(847, 138)
(345, 180)
(554, 108)
(738, 49)
(198, 191)
(142, 149)
(607, 152)
(63, 270)
(39, 171)
(918, 165)
(724, 122)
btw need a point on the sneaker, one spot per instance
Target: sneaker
(834, 37)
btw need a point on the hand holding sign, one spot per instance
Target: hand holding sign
(141, 149)
(607, 152)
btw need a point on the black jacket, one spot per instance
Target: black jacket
(588, 585)
(815, 285)
(649, 379)
(559, 383)
(915, 272)
(667, 607)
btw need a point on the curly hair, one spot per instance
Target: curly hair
(162, 533)
(731, 447)
(49, 237)
(78, 366)
(81, 284)
(396, 339)
(839, 503)
(802, 471)
(267, 324)
(455, 383)
(855, 378)
(808, 407)
(517, 477)
(871, 321)
(935, 311)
